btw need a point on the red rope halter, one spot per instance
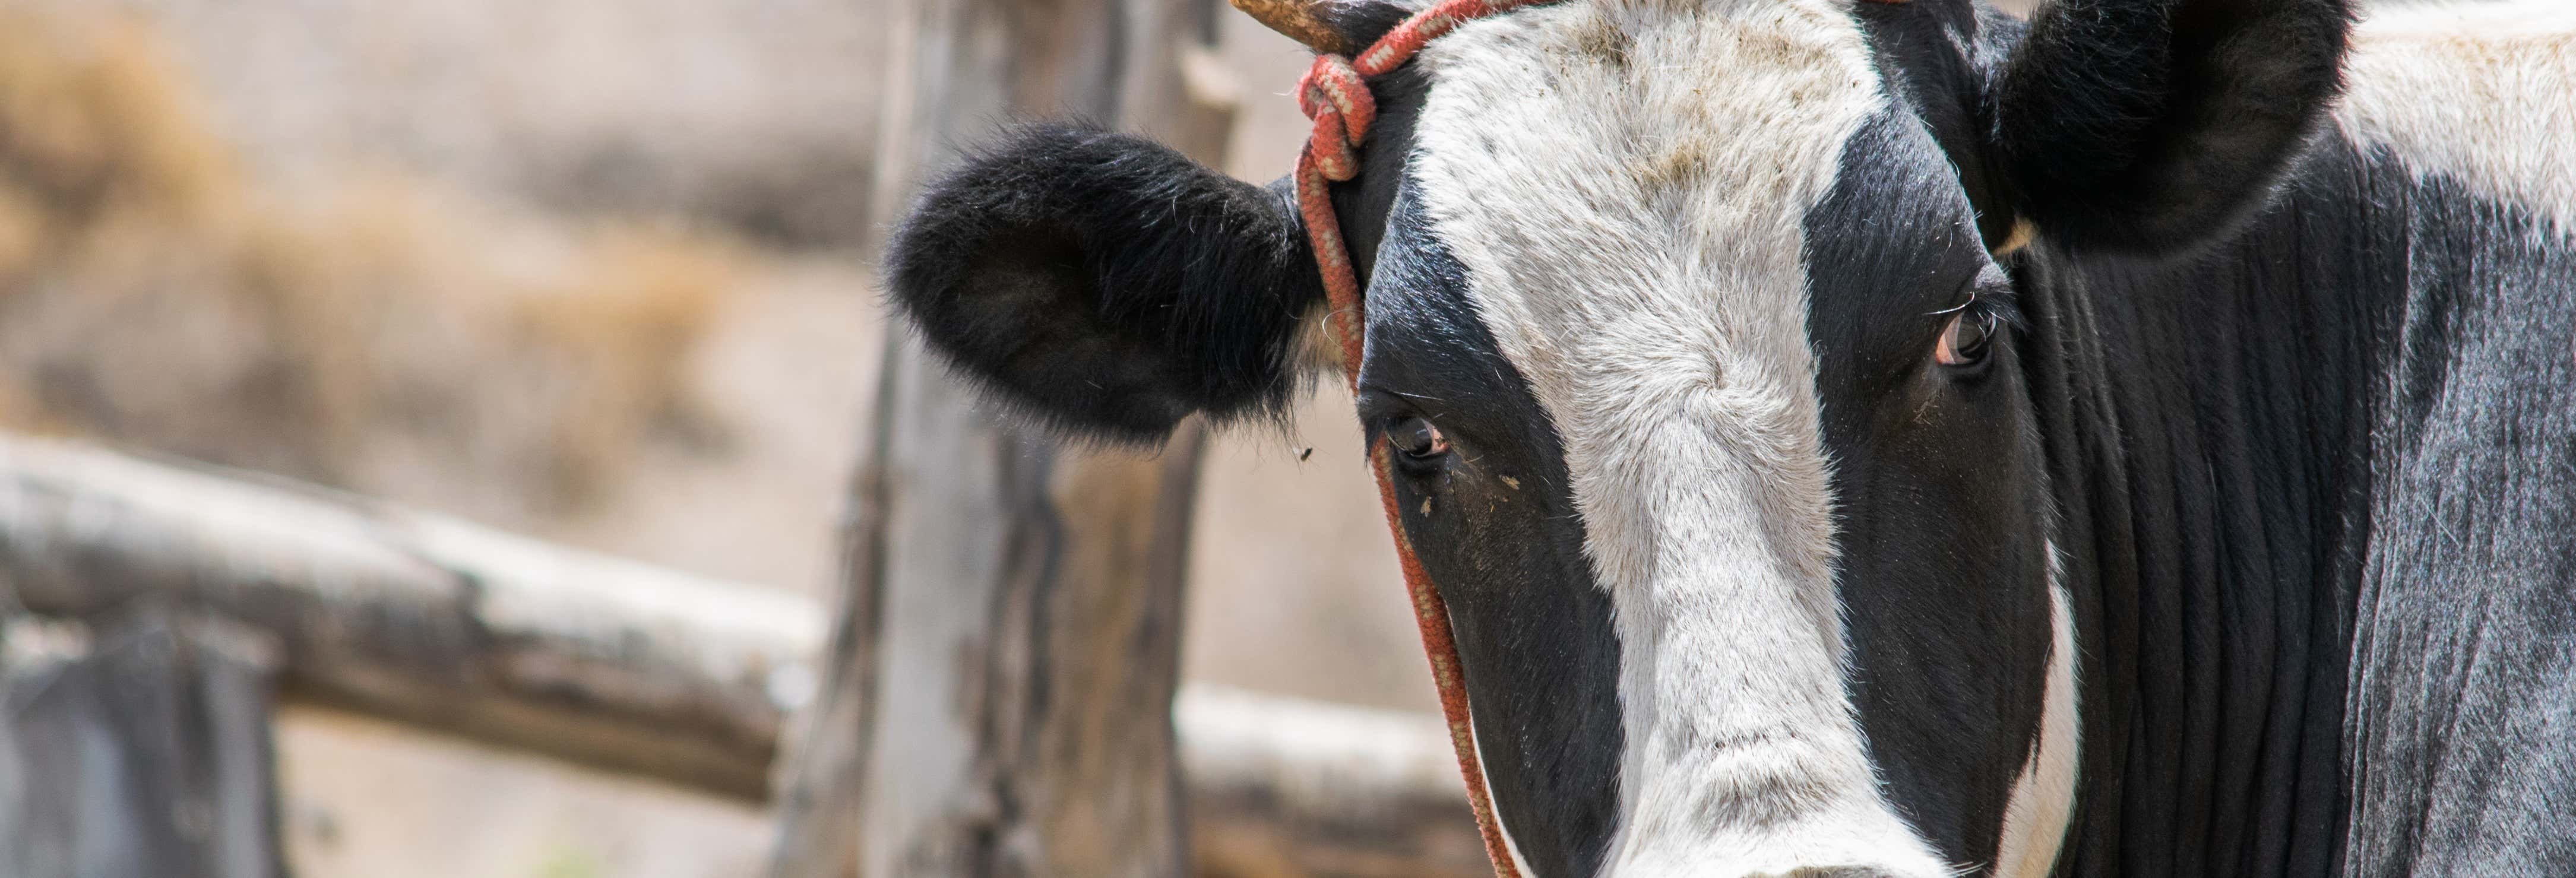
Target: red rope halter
(1335, 93)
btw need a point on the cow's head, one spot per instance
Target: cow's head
(1694, 325)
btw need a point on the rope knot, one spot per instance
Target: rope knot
(1335, 95)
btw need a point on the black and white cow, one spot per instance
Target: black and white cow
(1888, 438)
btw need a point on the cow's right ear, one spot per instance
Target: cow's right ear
(2151, 126)
(1106, 284)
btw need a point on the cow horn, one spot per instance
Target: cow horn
(1300, 20)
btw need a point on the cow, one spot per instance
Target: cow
(1897, 438)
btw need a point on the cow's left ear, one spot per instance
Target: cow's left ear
(2150, 126)
(1105, 285)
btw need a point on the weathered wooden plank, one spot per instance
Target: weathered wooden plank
(587, 649)
(138, 747)
(1025, 661)
(1289, 787)
(423, 618)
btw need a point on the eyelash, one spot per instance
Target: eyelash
(1999, 311)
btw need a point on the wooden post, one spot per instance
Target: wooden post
(139, 746)
(1006, 645)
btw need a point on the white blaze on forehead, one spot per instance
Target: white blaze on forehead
(1626, 186)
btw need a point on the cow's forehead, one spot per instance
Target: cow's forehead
(1609, 172)
(1625, 187)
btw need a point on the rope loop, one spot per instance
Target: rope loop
(1338, 99)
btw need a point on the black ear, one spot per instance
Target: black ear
(1105, 283)
(2148, 126)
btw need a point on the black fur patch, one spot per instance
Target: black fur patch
(1362, 22)
(2151, 126)
(1942, 502)
(1106, 284)
(1496, 527)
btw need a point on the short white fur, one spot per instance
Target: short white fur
(2483, 93)
(1632, 238)
(2043, 797)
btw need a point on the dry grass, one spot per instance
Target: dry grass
(153, 294)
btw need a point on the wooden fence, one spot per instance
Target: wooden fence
(155, 608)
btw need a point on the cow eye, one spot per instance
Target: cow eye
(1964, 341)
(1416, 439)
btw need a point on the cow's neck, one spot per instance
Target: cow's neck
(2211, 425)
(2232, 431)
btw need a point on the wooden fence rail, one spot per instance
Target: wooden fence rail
(619, 665)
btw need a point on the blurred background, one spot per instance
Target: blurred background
(596, 272)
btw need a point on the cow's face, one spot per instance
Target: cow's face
(1717, 448)
(1708, 397)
